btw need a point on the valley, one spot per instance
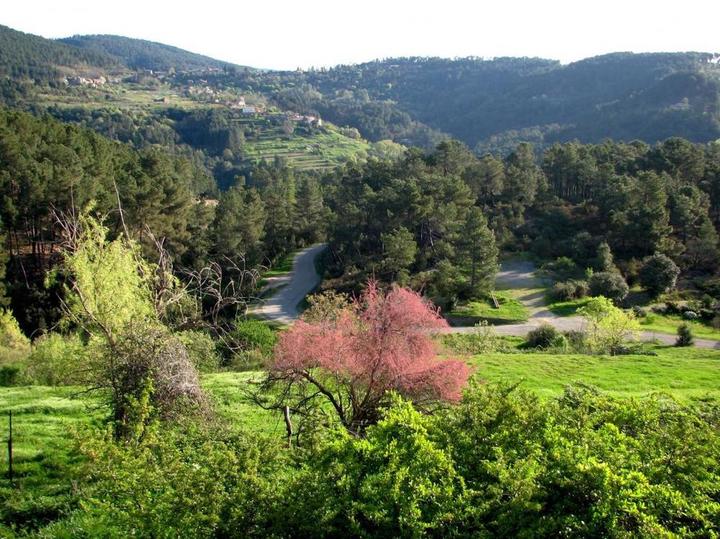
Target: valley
(407, 297)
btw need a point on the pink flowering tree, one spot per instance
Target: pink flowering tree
(352, 360)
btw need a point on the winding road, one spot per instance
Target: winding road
(521, 275)
(282, 306)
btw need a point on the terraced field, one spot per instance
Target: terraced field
(322, 151)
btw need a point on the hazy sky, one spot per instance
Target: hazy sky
(285, 34)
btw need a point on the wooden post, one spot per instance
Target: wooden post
(494, 300)
(10, 448)
(288, 426)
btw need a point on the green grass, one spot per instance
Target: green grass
(511, 309)
(45, 461)
(684, 373)
(663, 323)
(229, 393)
(567, 308)
(283, 267)
(46, 419)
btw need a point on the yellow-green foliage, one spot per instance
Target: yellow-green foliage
(11, 337)
(608, 327)
(111, 281)
(56, 359)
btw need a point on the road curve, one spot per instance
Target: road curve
(521, 274)
(282, 306)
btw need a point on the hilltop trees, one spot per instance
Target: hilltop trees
(353, 360)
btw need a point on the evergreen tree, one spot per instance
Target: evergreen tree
(399, 250)
(477, 253)
(605, 261)
(238, 226)
(311, 214)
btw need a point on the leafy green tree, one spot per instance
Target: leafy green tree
(703, 251)
(523, 178)
(486, 178)
(658, 274)
(607, 326)
(648, 228)
(608, 284)
(311, 213)
(604, 260)
(112, 299)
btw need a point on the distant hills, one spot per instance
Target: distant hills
(491, 105)
(31, 56)
(142, 54)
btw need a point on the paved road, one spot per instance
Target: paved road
(282, 306)
(521, 274)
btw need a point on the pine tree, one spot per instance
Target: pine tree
(477, 253)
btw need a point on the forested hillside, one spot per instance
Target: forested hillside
(143, 54)
(494, 104)
(28, 56)
(49, 168)
(491, 105)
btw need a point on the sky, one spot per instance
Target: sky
(287, 34)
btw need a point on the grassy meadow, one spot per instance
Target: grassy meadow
(510, 309)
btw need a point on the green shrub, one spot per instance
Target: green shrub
(57, 360)
(658, 274)
(684, 335)
(561, 269)
(201, 349)
(608, 284)
(501, 463)
(570, 290)
(544, 337)
(482, 340)
(577, 340)
(11, 336)
(248, 344)
(9, 375)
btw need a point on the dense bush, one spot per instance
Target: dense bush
(658, 274)
(608, 328)
(11, 337)
(545, 336)
(57, 360)
(503, 463)
(684, 335)
(202, 350)
(570, 290)
(254, 335)
(608, 284)
(561, 269)
(482, 340)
